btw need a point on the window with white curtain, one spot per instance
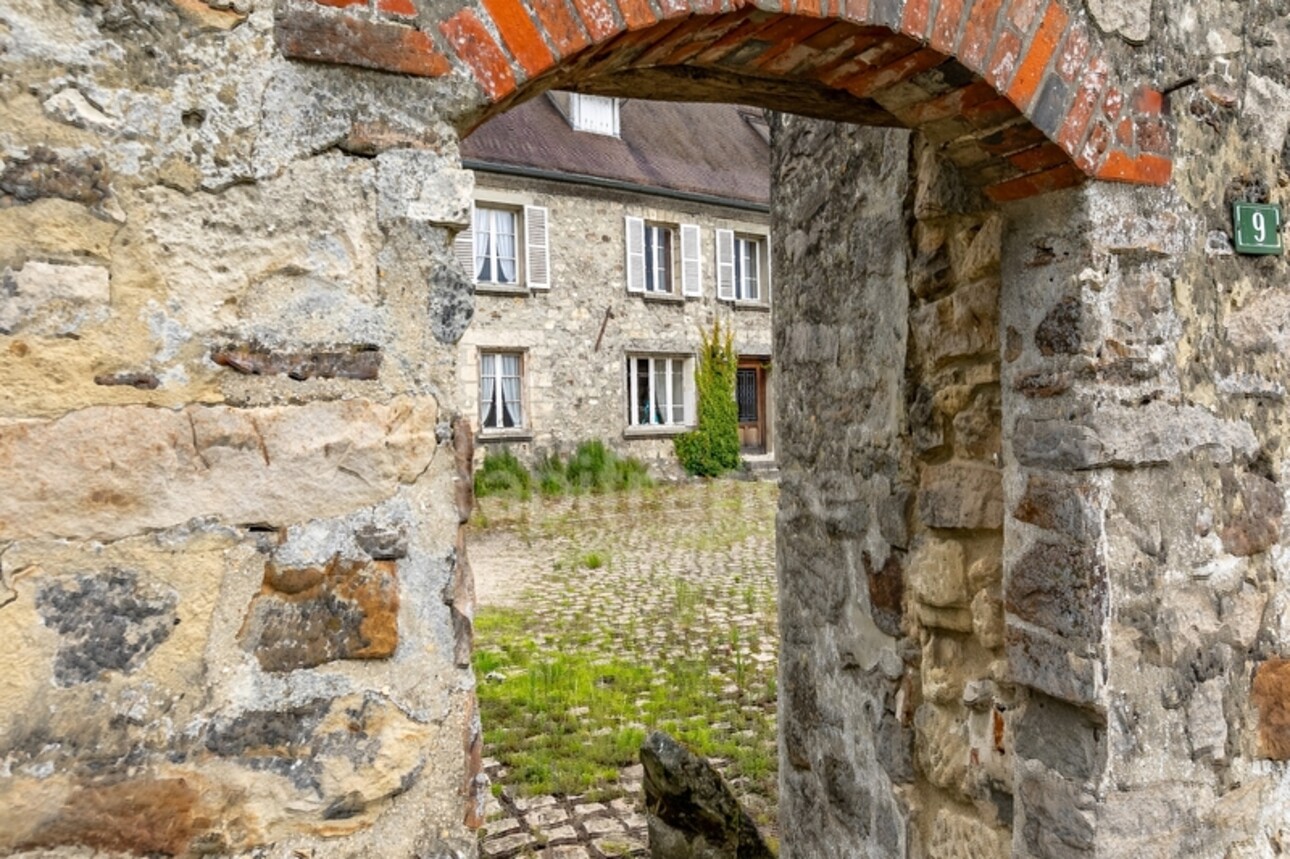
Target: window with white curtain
(660, 390)
(496, 233)
(743, 267)
(501, 388)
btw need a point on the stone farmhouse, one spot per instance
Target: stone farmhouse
(606, 235)
(1029, 371)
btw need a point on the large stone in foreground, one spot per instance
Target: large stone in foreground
(692, 813)
(108, 472)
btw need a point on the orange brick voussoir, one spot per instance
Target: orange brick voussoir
(308, 34)
(1145, 169)
(520, 35)
(476, 48)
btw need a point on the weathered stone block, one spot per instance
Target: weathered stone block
(1061, 588)
(1049, 663)
(1129, 437)
(107, 472)
(48, 299)
(1060, 331)
(1254, 507)
(305, 617)
(1057, 504)
(1065, 739)
(941, 745)
(108, 621)
(961, 495)
(1056, 816)
(886, 593)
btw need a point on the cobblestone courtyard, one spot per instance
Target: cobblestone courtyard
(602, 617)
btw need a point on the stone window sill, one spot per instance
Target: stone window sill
(497, 436)
(500, 289)
(663, 297)
(655, 432)
(760, 306)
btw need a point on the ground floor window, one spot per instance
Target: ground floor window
(500, 390)
(658, 390)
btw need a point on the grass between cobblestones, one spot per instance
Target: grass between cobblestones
(648, 609)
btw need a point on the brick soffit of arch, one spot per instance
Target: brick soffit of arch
(1020, 93)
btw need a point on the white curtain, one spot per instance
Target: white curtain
(482, 245)
(511, 389)
(487, 386)
(505, 234)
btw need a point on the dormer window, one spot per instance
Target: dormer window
(596, 114)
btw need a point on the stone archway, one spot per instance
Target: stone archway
(907, 689)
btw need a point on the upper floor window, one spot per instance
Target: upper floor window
(653, 264)
(595, 113)
(496, 245)
(743, 267)
(506, 246)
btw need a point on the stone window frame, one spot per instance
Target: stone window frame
(532, 237)
(726, 245)
(524, 431)
(634, 428)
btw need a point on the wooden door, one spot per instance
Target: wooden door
(750, 393)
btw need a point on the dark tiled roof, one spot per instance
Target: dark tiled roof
(701, 148)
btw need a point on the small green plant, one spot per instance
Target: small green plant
(502, 474)
(712, 447)
(550, 475)
(593, 560)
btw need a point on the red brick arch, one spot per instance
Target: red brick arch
(1020, 93)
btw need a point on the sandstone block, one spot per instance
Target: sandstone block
(957, 836)
(137, 816)
(961, 324)
(1270, 695)
(306, 616)
(941, 745)
(937, 574)
(961, 495)
(108, 472)
(987, 618)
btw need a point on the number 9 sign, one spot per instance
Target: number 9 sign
(1258, 228)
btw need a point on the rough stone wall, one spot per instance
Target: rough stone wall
(575, 377)
(1087, 658)
(841, 338)
(232, 588)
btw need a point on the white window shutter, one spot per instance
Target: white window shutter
(726, 265)
(635, 254)
(691, 261)
(766, 268)
(537, 253)
(463, 247)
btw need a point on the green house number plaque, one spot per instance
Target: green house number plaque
(1258, 228)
